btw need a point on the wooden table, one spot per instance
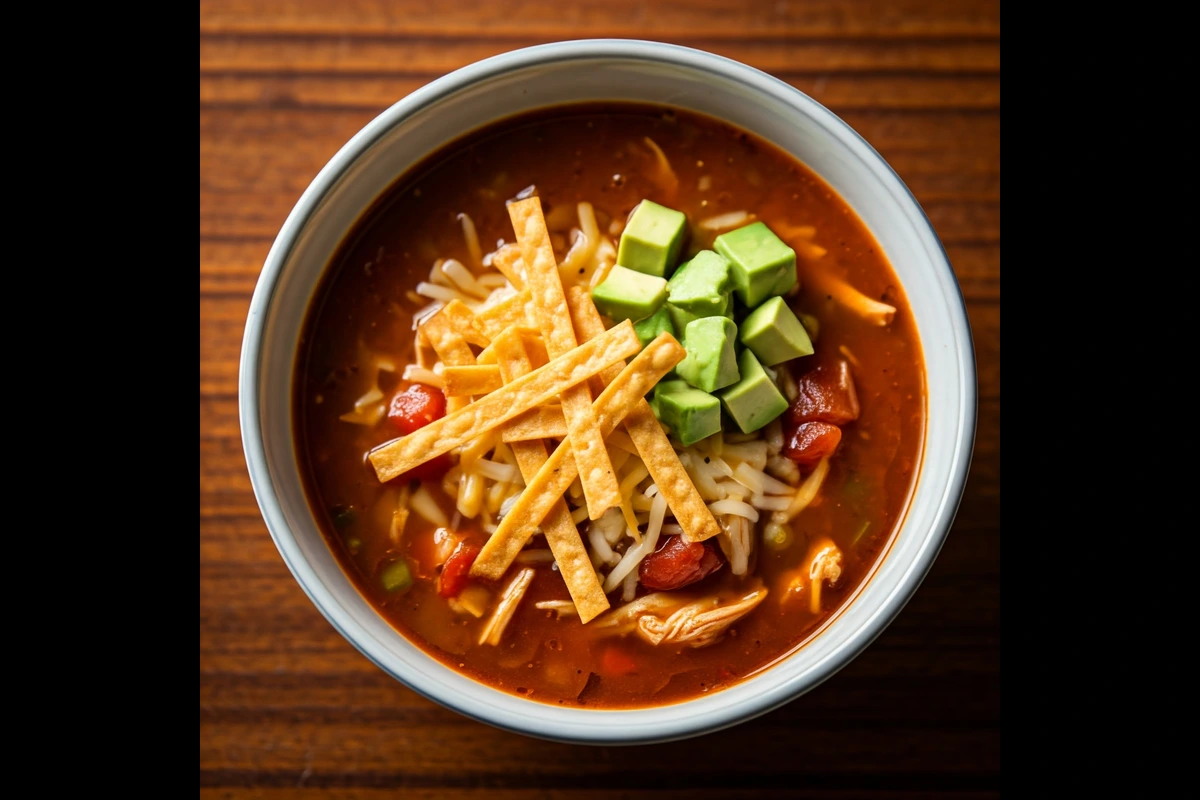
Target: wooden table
(287, 707)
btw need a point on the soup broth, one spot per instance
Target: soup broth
(359, 338)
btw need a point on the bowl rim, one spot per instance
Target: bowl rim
(637, 51)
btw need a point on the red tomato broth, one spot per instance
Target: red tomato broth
(590, 153)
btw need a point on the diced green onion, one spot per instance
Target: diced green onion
(353, 544)
(396, 577)
(861, 530)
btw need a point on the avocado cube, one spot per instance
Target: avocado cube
(681, 318)
(774, 334)
(761, 264)
(652, 239)
(691, 414)
(626, 294)
(648, 329)
(652, 399)
(702, 285)
(711, 362)
(754, 400)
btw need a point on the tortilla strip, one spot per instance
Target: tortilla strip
(448, 333)
(600, 487)
(546, 422)
(454, 319)
(560, 470)
(677, 487)
(450, 345)
(529, 391)
(621, 441)
(509, 312)
(465, 381)
(536, 348)
(508, 261)
(561, 533)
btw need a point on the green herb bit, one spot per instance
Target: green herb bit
(396, 576)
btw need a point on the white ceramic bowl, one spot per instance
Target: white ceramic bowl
(605, 70)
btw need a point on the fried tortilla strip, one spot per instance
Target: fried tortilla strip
(449, 332)
(508, 261)
(655, 449)
(508, 313)
(600, 487)
(560, 470)
(486, 356)
(533, 346)
(546, 422)
(471, 380)
(455, 319)
(561, 533)
(450, 345)
(529, 391)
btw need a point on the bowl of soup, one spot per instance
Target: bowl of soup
(608, 392)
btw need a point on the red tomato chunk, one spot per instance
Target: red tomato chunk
(826, 395)
(677, 564)
(812, 441)
(416, 407)
(454, 577)
(412, 409)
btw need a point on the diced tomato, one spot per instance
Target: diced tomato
(811, 441)
(826, 395)
(416, 407)
(678, 563)
(456, 572)
(412, 409)
(617, 662)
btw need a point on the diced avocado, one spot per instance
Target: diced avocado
(761, 264)
(774, 333)
(785, 281)
(711, 362)
(626, 294)
(648, 329)
(691, 414)
(754, 400)
(701, 286)
(652, 239)
(681, 318)
(652, 399)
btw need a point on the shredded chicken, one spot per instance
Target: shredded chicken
(723, 222)
(563, 608)
(399, 516)
(626, 617)
(873, 311)
(737, 540)
(825, 565)
(700, 623)
(513, 593)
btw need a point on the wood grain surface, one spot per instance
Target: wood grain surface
(287, 707)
